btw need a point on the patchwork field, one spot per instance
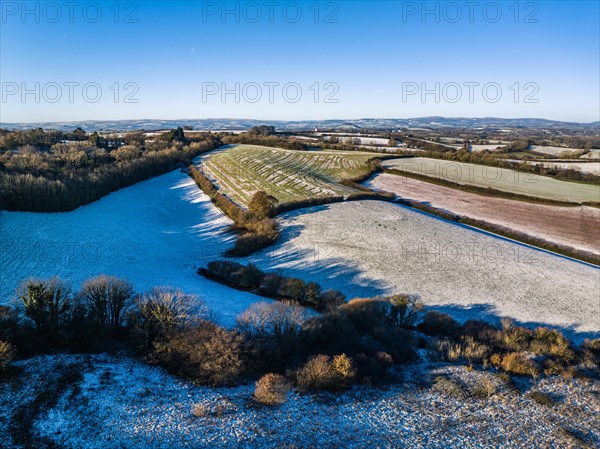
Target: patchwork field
(241, 170)
(499, 178)
(578, 227)
(154, 233)
(364, 248)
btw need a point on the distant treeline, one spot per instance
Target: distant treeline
(265, 140)
(49, 175)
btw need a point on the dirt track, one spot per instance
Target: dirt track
(578, 227)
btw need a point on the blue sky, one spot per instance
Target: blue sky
(316, 60)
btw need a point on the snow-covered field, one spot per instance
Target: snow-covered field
(584, 167)
(155, 233)
(491, 147)
(553, 151)
(122, 403)
(366, 248)
(594, 153)
(577, 227)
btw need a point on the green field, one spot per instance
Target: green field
(288, 175)
(499, 178)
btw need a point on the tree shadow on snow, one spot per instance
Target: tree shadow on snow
(318, 263)
(487, 312)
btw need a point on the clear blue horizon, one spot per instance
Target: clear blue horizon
(299, 60)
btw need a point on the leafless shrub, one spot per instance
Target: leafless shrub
(199, 410)
(271, 389)
(161, 311)
(448, 387)
(516, 363)
(323, 373)
(542, 398)
(484, 388)
(405, 310)
(316, 374)
(206, 352)
(576, 437)
(6, 355)
(343, 367)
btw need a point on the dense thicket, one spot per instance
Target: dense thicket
(43, 172)
(360, 341)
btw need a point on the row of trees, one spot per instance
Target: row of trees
(355, 342)
(273, 285)
(268, 140)
(256, 230)
(43, 140)
(174, 330)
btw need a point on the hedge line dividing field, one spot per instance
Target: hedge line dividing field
(508, 181)
(256, 234)
(253, 238)
(488, 191)
(271, 285)
(503, 231)
(253, 234)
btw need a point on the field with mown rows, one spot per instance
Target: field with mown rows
(288, 175)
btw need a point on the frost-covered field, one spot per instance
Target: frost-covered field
(365, 248)
(593, 154)
(365, 140)
(490, 147)
(498, 178)
(553, 151)
(121, 403)
(578, 227)
(154, 233)
(584, 167)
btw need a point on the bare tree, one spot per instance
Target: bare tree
(108, 299)
(276, 319)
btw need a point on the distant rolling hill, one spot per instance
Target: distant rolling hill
(308, 125)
